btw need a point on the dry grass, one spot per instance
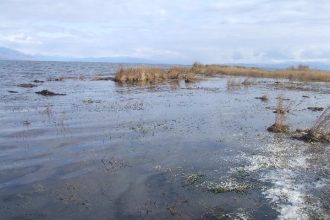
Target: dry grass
(279, 125)
(301, 73)
(153, 74)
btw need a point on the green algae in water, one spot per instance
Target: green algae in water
(194, 179)
(228, 186)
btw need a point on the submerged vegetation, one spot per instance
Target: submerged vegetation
(229, 185)
(263, 98)
(193, 179)
(48, 93)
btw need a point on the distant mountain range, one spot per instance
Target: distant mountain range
(10, 54)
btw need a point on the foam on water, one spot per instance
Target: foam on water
(283, 166)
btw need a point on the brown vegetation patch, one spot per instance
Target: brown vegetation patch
(278, 128)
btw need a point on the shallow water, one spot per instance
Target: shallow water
(106, 151)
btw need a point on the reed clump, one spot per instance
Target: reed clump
(320, 132)
(153, 74)
(279, 126)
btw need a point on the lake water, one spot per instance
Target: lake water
(171, 151)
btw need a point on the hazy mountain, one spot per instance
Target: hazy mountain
(94, 59)
(9, 54)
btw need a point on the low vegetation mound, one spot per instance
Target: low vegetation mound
(156, 74)
(278, 128)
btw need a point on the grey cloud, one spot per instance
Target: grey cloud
(209, 31)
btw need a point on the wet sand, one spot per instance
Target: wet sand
(172, 151)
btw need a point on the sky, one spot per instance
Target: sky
(179, 31)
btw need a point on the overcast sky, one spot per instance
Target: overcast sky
(218, 31)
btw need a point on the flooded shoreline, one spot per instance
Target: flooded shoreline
(174, 151)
